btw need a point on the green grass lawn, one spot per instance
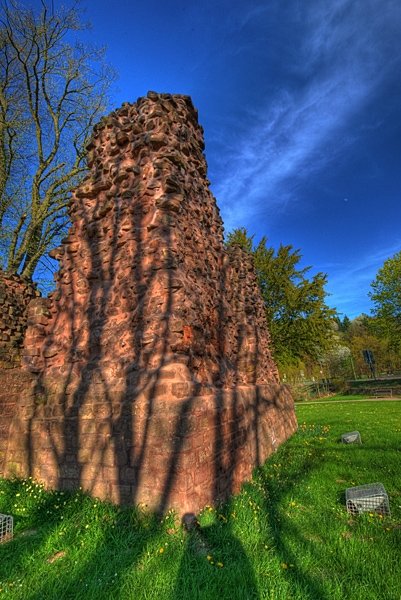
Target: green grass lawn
(287, 536)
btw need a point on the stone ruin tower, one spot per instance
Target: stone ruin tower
(151, 377)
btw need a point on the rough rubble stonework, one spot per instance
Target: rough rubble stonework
(152, 377)
(15, 296)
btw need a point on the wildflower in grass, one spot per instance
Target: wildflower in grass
(284, 566)
(161, 550)
(220, 564)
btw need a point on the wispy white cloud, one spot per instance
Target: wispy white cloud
(346, 54)
(349, 282)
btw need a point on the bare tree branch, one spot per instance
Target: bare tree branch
(51, 94)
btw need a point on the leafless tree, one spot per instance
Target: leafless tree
(52, 91)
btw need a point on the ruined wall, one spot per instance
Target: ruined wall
(14, 384)
(15, 295)
(154, 377)
(143, 273)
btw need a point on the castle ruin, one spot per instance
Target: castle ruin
(147, 374)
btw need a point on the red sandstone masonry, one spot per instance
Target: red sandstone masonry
(194, 452)
(143, 272)
(154, 376)
(15, 296)
(14, 383)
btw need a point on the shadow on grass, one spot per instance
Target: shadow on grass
(324, 552)
(284, 532)
(117, 556)
(76, 551)
(214, 565)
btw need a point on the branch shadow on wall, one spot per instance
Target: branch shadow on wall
(101, 429)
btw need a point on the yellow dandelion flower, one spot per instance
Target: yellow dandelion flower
(161, 550)
(220, 564)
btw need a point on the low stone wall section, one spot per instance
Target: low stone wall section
(14, 384)
(174, 449)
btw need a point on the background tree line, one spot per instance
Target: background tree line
(309, 339)
(380, 332)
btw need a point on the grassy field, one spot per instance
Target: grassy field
(287, 536)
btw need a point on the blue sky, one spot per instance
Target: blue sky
(300, 102)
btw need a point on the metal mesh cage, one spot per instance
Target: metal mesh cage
(367, 498)
(353, 437)
(6, 528)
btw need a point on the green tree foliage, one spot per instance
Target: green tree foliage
(342, 324)
(52, 91)
(363, 333)
(386, 297)
(299, 320)
(240, 237)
